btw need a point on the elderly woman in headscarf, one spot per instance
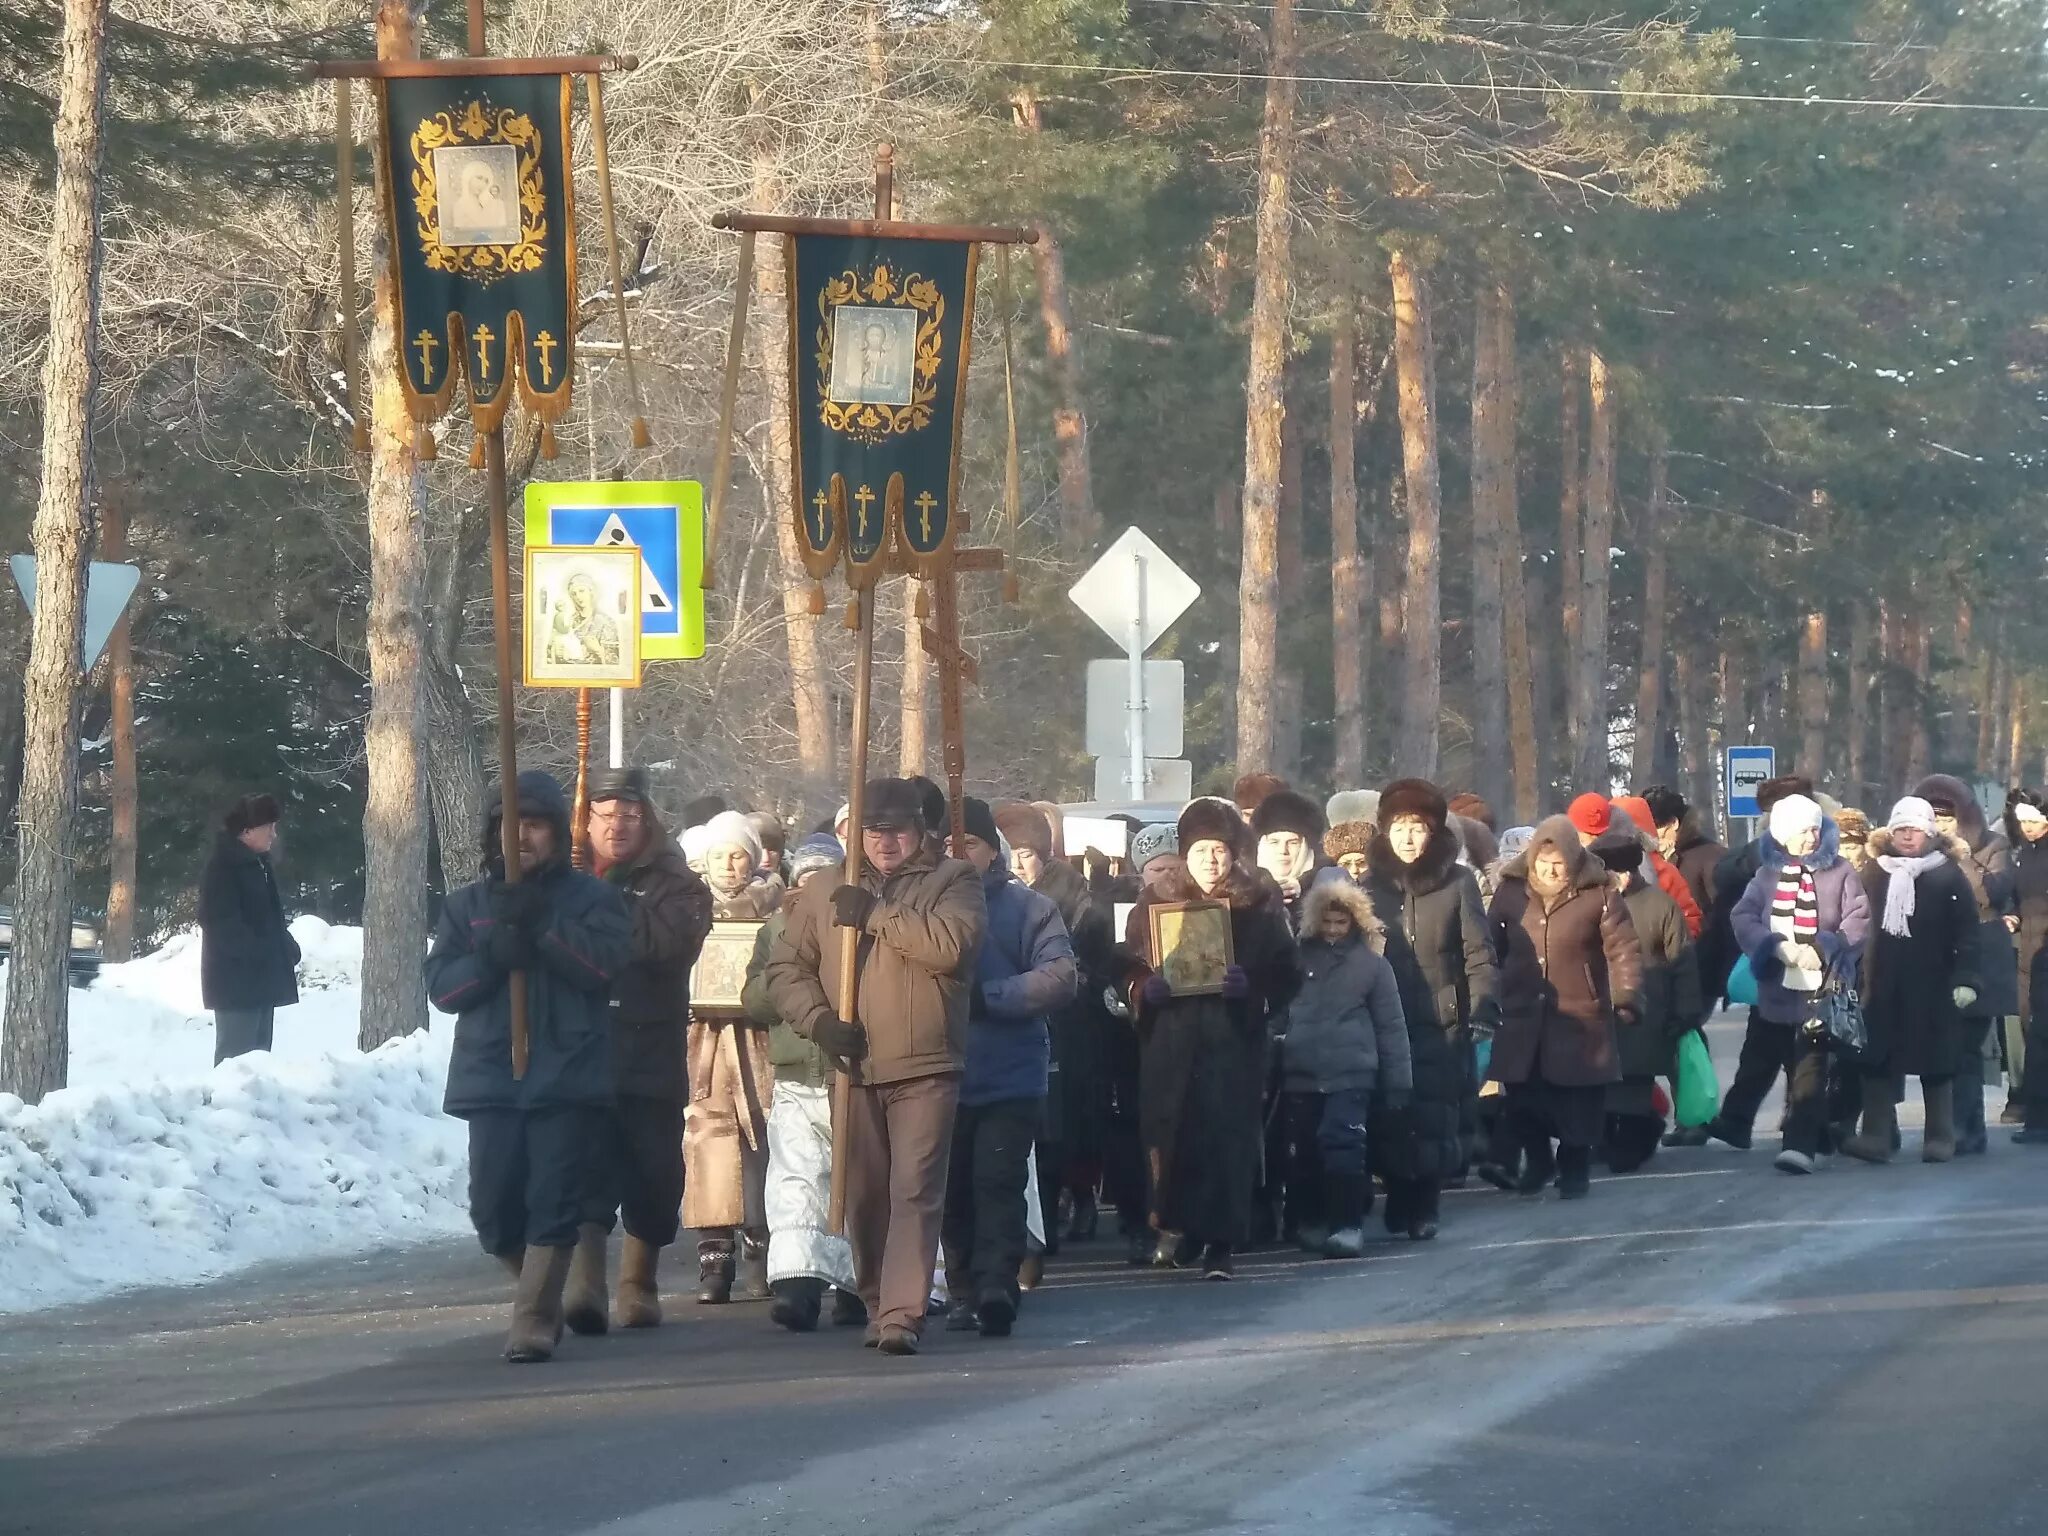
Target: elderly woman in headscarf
(1920, 980)
(732, 1086)
(1570, 971)
(1804, 916)
(1204, 1055)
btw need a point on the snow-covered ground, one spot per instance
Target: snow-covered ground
(156, 1167)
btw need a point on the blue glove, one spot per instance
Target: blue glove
(1237, 983)
(1155, 994)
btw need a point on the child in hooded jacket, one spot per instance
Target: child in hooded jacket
(1345, 1055)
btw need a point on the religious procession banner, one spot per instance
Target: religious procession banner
(481, 213)
(879, 335)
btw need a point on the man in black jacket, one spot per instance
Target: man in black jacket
(531, 1138)
(248, 959)
(638, 1169)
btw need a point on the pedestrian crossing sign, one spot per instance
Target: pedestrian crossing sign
(664, 520)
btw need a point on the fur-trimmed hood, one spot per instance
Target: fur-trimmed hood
(1830, 848)
(1342, 893)
(1430, 872)
(1939, 789)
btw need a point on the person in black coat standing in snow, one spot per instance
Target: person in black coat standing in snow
(248, 959)
(532, 1138)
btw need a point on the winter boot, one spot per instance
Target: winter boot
(1729, 1135)
(1217, 1263)
(537, 1313)
(714, 1272)
(1400, 1202)
(1539, 1168)
(752, 1276)
(995, 1313)
(1972, 1140)
(1687, 1136)
(1081, 1223)
(583, 1303)
(1938, 1145)
(960, 1317)
(798, 1303)
(1574, 1172)
(639, 1300)
(1350, 1199)
(1874, 1143)
(1166, 1251)
(848, 1310)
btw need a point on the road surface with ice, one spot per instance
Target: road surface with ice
(1707, 1347)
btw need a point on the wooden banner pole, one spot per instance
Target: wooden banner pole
(579, 806)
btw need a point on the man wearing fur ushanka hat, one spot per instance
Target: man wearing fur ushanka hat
(1203, 1054)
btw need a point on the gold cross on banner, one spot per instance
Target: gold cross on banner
(483, 339)
(545, 345)
(924, 504)
(824, 505)
(426, 341)
(865, 498)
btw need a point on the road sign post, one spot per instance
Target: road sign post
(1134, 592)
(108, 588)
(1747, 768)
(1136, 648)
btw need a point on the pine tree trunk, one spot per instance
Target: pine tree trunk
(1079, 523)
(117, 941)
(1415, 748)
(1389, 598)
(1650, 631)
(809, 699)
(1571, 479)
(1734, 731)
(1919, 755)
(1288, 702)
(2016, 744)
(1258, 595)
(455, 764)
(1594, 771)
(394, 999)
(35, 1044)
(1350, 579)
(1545, 666)
(1987, 696)
(1813, 650)
(1961, 723)
(915, 688)
(1493, 515)
(1691, 681)
(1860, 682)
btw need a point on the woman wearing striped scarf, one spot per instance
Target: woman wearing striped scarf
(1805, 913)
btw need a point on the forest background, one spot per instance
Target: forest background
(1544, 395)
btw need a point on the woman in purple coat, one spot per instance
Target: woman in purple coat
(1803, 916)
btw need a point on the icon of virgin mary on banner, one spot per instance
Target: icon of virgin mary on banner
(879, 336)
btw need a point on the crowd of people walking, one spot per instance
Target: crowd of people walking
(1253, 1024)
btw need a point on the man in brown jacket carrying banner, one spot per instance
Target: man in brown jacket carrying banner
(920, 917)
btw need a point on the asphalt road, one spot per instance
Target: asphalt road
(1707, 1347)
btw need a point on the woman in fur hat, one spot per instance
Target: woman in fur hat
(1347, 845)
(725, 1133)
(1204, 1058)
(1920, 980)
(1429, 900)
(1288, 831)
(1985, 858)
(1570, 970)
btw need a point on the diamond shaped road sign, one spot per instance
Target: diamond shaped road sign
(1135, 583)
(107, 590)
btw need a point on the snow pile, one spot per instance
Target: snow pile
(156, 1167)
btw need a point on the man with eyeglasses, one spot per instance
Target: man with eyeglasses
(637, 1173)
(920, 918)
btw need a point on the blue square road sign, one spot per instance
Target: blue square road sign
(664, 520)
(1748, 768)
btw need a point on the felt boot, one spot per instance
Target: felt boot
(1873, 1144)
(537, 1312)
(583, 1302)
(798, 1303)
(1938, 1145)
(639, 1299)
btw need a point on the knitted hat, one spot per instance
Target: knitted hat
(1025, 826)
(1792, 816)
(1151, 842)
(249, 812)
(1591, 814)
(1353, 805)
(1286, 811)
(1209, 819)
(818, 851)
(696, 842)
(980, 821)
(1414, 797)
(1251, 790)
(1515, 841)
(1472, 808)
(1912, 812)
(729, 829)
(1348, 837)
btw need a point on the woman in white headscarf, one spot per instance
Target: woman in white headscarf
(1919, 979)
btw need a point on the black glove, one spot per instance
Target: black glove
(1396, 1100)
(851, 906)
(520, 906)
(836, 1037)
(504, 947)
